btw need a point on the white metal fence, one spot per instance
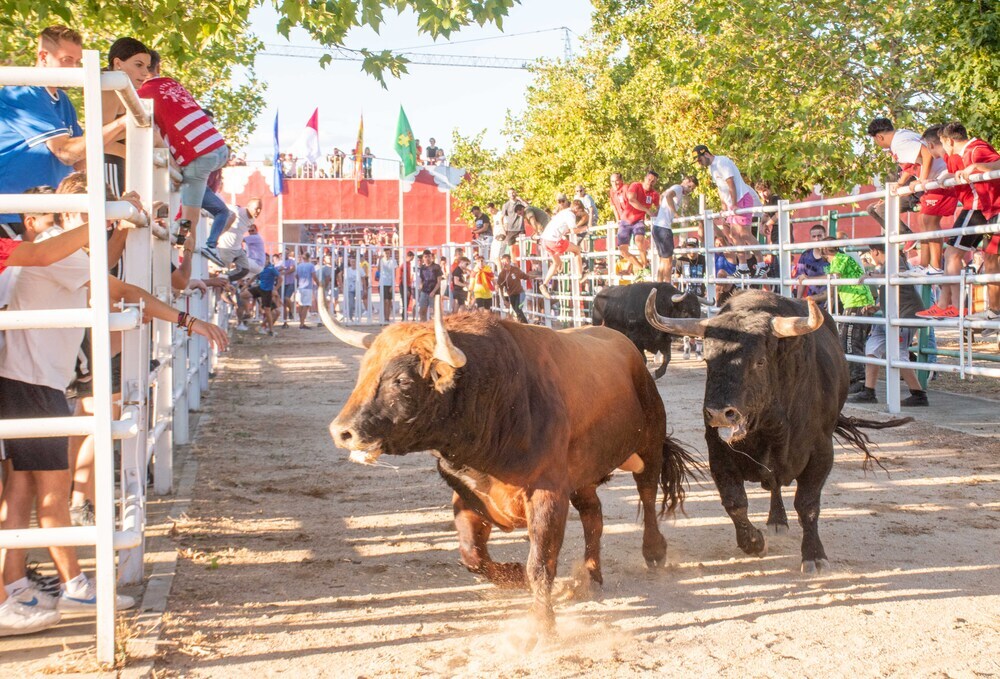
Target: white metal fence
(155, 397)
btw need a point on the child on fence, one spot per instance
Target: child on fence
(555, 240)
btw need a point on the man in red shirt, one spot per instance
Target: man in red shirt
(195, 144)
(634, 207)
(980, 204)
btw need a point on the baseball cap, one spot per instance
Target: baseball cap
(691, 242)
(700, 149)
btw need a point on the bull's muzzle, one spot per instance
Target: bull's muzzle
(346, 436)
(728, 421)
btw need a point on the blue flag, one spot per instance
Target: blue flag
(277, 159)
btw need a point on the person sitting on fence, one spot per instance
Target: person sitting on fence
(555, 241)
(430, 274)
(980, 204)
(635, 206)
(812, 263)
(458, 283)
(855, 300)
(883, 132)
(36, 367)
(668, 208)
(483, 283)
(482, 230)
(735, 194)
(875, 345)
(509, 282)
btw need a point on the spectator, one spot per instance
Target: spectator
(768, 228)
(498, 234)
(536, 218)
(305, 287)
(222, 218)
(420, 150)
(915, 160)
(482, 283)
(735, 195)
(812, 263)
(287, 271)
(980, 203)
(254, 243)
(366, 163)
(589, 205)
(513, 218)
(692, 265)
(881, 127)
(482, 230)
(458, 283)
(230, 252)
(40, 137)
(662, 232)
(387, 266)
(327, 280)
(337, 163)
(262, 290)
(405, 284)
(195, 144)
(855, 300)
(509, 282)
(634, 206)
(132, 57)
(36, 366)
(909, 306)
(432, 153)
(555, 240)
(430, 275)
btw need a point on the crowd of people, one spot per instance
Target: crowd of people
(45, 265)
(339, 164)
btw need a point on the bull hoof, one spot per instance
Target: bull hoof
(660, 372)
(654, 564)
(507, 575)
(814, 567)
(755, 545)
(777, 528)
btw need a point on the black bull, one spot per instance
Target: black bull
(622, 308)
(777, 381)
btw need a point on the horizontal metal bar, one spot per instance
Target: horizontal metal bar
(839, 243)
(51, 427)
(44, 203)
(943, 323)
(992, 227)
(952, 353)
(917, 187)
(66, 536)
(50, 319)
(34, 76)
(949, 368)
(938, 279)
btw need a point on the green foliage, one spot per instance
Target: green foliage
(784, 88)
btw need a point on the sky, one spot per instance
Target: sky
(437, 99)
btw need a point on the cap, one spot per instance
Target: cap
(691, 242)
(700, 149)
(562, 198)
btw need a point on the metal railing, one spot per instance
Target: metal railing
(154, 401)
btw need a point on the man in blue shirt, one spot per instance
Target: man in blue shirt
(40, 136)
(263, 291)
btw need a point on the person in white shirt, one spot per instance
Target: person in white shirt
(735, 195)
(555, 239)
(230, 251)
(671, 202)
(387, 266)
(588, 204)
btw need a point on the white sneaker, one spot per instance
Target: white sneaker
(261, 331)
(984, 315)
(32, 597)
(915, 271)
(933, 271)
(17, 618)
(87, 599)
(242, 326)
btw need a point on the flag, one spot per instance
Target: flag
(310, 140)
(406, 146)
(277, 182)
(359, 152)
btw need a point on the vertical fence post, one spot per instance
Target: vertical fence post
(708, 227)
(784, 239)
(891, 310)
(182, 431)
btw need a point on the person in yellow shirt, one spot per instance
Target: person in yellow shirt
(482, 283)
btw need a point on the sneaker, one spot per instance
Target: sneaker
(915, 399)
(866, 396)
(933, 271)
(32, 597)
(48, 584)
(270, 333)
(17, 618)
(261, 331)
(856, 388)
(82, 515)
(242, 326)
(284, 326)
(913, 272)
(213, 255)
(984, 315)
(86, 600)
(937, 312)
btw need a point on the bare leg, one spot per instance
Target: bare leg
(991, 264)
(642, 244)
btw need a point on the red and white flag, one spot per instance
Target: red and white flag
(310, 139)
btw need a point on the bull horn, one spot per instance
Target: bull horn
(793, 326)
(361, 340)
(444, 350)
(705, 301)
(679, 297)
(689, 327)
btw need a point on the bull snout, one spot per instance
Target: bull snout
(344, 436)
(723, 417)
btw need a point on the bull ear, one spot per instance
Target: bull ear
(793, 326)
(444, 350)
(361, 340)
(690, 327)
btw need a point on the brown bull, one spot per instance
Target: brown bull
(524, 420)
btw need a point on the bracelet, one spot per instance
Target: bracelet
(181, 319)
(190, 325)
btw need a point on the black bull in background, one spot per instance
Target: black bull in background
(623, 308)
(777, 381)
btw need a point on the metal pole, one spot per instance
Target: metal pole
(784, 256)
(891, 300)
(709, 229)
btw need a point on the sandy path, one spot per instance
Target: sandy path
(300, 563)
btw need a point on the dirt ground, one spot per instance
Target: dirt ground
(299, 563)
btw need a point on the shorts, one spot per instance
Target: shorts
(484, 303)
(195, 175)
(742, 220)
(23, 400)
(386, 292)
(556, 247)
(875, 344)
(626, 230)
(993, 247)
(304, 297)
(461, 296)
(968, 241)
(265, 297)
(423, 300)
(288, 291)
(663, 237)
(114, 173)
(938, 203)
(240, 259)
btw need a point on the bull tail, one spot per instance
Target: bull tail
(849, 433)
(679, 467)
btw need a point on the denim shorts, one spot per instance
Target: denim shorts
(195, 175)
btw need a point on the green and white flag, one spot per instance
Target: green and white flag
(406, 146)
